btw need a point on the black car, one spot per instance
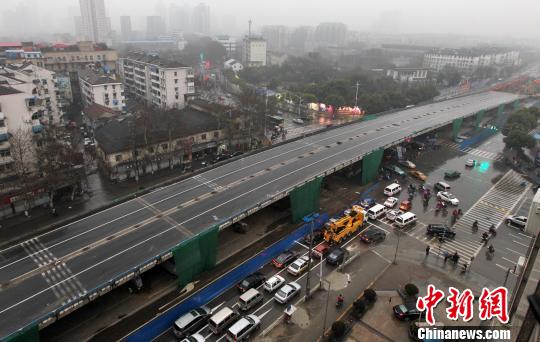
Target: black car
(221, 157)
(318, 235)
(336, 256)
(440, 230)
(237, 153)
(254, 280)
(372, 234)
(284, 258)
(407, 312)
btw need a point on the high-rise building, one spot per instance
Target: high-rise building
(276, 36)
(254, 51)
(79, 31)
(125, 27)
(179, 18)
(201, 18)
(301, 39)
(331, 34)
(155, 26)
(95, 24)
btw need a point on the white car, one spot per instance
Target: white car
(287, 292)
(87, 141)
(470, 163)
(273, 283)
(390, 202)
(298, 266)
(517, 221)
(408, 164)
(298, 121)
(447, 197)
(392, 214)
(194, 338)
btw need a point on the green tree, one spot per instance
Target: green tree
(518, 139)
(338, 329)
(411, 289)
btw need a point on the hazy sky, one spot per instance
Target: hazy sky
(519, 18)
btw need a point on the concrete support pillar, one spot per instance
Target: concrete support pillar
(478, 117)
(500, 117)
(305, 199)
(456, 127)
(370, 165)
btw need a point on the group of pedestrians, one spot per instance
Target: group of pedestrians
(453, 257)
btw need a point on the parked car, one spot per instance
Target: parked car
(367, 203)
(407, 163)
(517, 221)
(220, 157)
(405, 206)
(273, 283)
(318, 235)
(407, 313)
(237, 153)
(299, 266)
(391, 215)
(440, 230)
(321, 250)
(191, 321)
(242, 329)
(251, 281)
(395, 170)
(298, 121)
(336, 256)
(470, 163)
(447, 197)
(287, 292)
(372, 234)
(390, 202)
(194, 338)
(461, 138)
(418, 175)
(284, 259)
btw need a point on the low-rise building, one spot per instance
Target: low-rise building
(102, 89)
(410, 75)
(469, 60)
(228, 43)
(133, 145)
(64, 57)
(233, 64)
(163, 83)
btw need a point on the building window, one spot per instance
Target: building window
(176, 97)
(164, 147)
(216, 134)
(203, 136)
(118, 157)
(175, 88)
(114, 87)
(175, 81)
(175, 73)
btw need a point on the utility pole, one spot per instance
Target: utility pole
(356, 96)
(326, 307)
(310, 254)
(397, 246)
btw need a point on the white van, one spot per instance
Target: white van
(405, 219)
(376, 211)
(242, 329)
(222, 319)
(392, 189)
(249, 299)
(442, 186)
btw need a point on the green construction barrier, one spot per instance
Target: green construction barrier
(370, 165)
(305, 199)
(30, 334)
(456, 127)
(478, 119)
(500, 116)
(196, 255)
(516, 104)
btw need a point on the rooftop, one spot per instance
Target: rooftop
(476, 51)
(8, 91)
(116, 135)
(96, 78)
(155, 60)
(95, 112)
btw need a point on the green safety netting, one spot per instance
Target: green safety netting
(478, 119)
(500, 114)
(305, 199)
(456, 127)
(516, 104)
(370, 165)
(196, 255)
(29, 334)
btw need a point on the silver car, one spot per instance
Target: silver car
(287, 292)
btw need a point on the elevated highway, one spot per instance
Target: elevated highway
(51, 275)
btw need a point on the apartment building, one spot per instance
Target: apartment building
(254, 51)
(469, 60)
(40, 87)
(163, 83)
(102, 89)
(71, 58)
(410, 75)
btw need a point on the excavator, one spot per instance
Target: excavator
(335, 230)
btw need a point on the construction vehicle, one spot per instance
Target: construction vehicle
(337, 229)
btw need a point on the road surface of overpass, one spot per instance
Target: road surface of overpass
(48, 276)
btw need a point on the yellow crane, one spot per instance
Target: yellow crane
(335, 230)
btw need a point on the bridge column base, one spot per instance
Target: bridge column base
(370, 165)
(478, 117)
(196, 255)
(305, 199)
(456, 127)
(29, 334)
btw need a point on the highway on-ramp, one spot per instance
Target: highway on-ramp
(70, 265)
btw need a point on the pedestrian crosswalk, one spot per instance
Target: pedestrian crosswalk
(57, 274)
(491, 208)
(474, 151)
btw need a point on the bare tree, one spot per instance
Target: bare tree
(23, 153)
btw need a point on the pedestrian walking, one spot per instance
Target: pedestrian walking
(446, 255)
(427, 250)
(348, 278)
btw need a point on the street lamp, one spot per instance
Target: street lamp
(326, 306)
(397, 246)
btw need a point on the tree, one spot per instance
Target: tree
(370, 295)
(411, 289)
(518, 139)
(338, 329)
(23, 153)
(359, 307)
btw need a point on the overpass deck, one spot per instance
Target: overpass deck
(63, 269)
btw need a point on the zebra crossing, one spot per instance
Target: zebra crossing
(56, 273)
(212, 185)
(474, 151)
(491, 208)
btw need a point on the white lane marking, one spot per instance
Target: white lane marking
(515, 236)
(518, 253)
(261, 316)
(380, 256)
(301, 244)
(503, 267)
(196, 216)
(519, 243)
(525, 235)
(511, 261)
